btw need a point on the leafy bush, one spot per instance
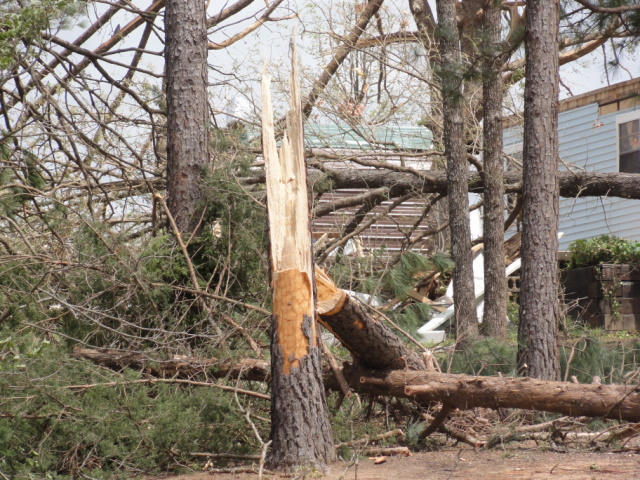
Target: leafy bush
(603, 249)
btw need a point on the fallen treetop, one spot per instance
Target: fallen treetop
(572, 184)
(386, 366)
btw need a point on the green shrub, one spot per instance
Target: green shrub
(603, 249)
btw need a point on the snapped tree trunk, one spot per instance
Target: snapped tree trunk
(457, 171)
(187, 109)
(300, 429)
(495, 287)
(539, 307)
(370, 342)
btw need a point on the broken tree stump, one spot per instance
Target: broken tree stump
(300, 429)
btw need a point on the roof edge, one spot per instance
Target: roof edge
(601, 96)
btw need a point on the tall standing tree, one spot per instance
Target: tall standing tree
(495, 307)
(187, 110)
(451, 77)
(539, 308)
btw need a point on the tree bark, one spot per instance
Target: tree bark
(621, 402)
(495, 286)
(370, 342)
(183, 367)
(457, 171)
(187, 110)
(300, 429)
(571, 184)
(539, 307)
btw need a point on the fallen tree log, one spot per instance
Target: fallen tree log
(572, 184)
(620, 402)
(181, 366)
(386, 366)
(370, 342)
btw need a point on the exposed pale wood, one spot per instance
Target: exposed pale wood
(290, 243)
(330, 297)
(300, 428)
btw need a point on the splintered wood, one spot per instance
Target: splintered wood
(290, 240)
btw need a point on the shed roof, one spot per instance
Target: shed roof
(367, 137)
(603, 96)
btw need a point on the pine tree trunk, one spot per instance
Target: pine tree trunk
(457, 172)
(539, 308)
(300, 430)
(370, 342)
(495, 287)
(187, 109)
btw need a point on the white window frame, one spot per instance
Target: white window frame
(623, 118)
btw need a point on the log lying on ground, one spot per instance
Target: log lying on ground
(620, 402)
(181, 366)
(379, 353)
(459, 391)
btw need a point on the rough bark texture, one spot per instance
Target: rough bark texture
(572, 184)
(187, 109)
(620, 402)
(181, 366)
(539, 307)
(457, 171)
(495, 287)
(300, 428)
(369, 341)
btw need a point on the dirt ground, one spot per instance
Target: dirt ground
(467, 463)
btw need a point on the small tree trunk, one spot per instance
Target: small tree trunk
(495, 287)
(539, 309)
(187, 109)
(300, 429)
(457, 172)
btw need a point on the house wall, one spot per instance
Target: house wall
(589, 142)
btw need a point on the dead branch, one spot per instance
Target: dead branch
(366, 439)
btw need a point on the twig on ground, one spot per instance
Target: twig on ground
(236, 470)
(233, 456)
(390, 451)
(437, 421)
(366, 439)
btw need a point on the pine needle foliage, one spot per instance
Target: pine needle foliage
(66, 418)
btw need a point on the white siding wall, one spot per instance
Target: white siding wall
(589, 142)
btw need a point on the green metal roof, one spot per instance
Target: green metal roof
(366, 137)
